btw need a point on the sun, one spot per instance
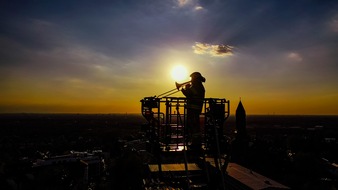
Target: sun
(179, 73)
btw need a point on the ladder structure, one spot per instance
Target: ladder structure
(176, 166)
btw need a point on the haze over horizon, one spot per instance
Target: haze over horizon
(279, 57)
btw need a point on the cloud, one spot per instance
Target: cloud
(334, 23)
(213, 50)
(197, 8)
(189, 4)
(182, 3)
(295, 57)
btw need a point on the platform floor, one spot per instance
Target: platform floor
(173, 167)
(243, 175)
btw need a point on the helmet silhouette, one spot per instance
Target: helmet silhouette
(197, 76)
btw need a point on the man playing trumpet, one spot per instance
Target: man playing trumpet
(194, 93)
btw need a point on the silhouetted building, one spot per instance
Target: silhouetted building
(92, 168)
(240, 144)
(240, 120)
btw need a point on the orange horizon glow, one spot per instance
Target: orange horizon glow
(81, 97)
(133, 105)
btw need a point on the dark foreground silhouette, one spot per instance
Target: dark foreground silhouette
(295, 150)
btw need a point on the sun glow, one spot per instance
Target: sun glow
(179, 73)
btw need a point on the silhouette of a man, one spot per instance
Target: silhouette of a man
(195, 96)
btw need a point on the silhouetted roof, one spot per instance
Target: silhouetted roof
(252, 179)
(240, 107)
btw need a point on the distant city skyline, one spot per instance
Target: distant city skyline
(278, 57)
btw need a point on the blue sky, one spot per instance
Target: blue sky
(104, 56)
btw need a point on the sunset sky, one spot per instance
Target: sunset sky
(104, 56)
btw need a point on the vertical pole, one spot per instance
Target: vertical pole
(184, 145)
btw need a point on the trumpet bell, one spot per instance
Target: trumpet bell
(178, 86)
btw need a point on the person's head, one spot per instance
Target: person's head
(197, 77)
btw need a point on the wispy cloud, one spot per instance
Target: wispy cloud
(213, 50)
(189, 4)
(295, 57)
(334, 23)
(197, 8)
(182, 3)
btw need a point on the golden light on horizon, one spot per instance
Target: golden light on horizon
(179, 73)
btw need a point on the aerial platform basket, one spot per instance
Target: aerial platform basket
(167, 118)
(166, 133)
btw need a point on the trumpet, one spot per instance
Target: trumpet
(178, 85)
(175, 90)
